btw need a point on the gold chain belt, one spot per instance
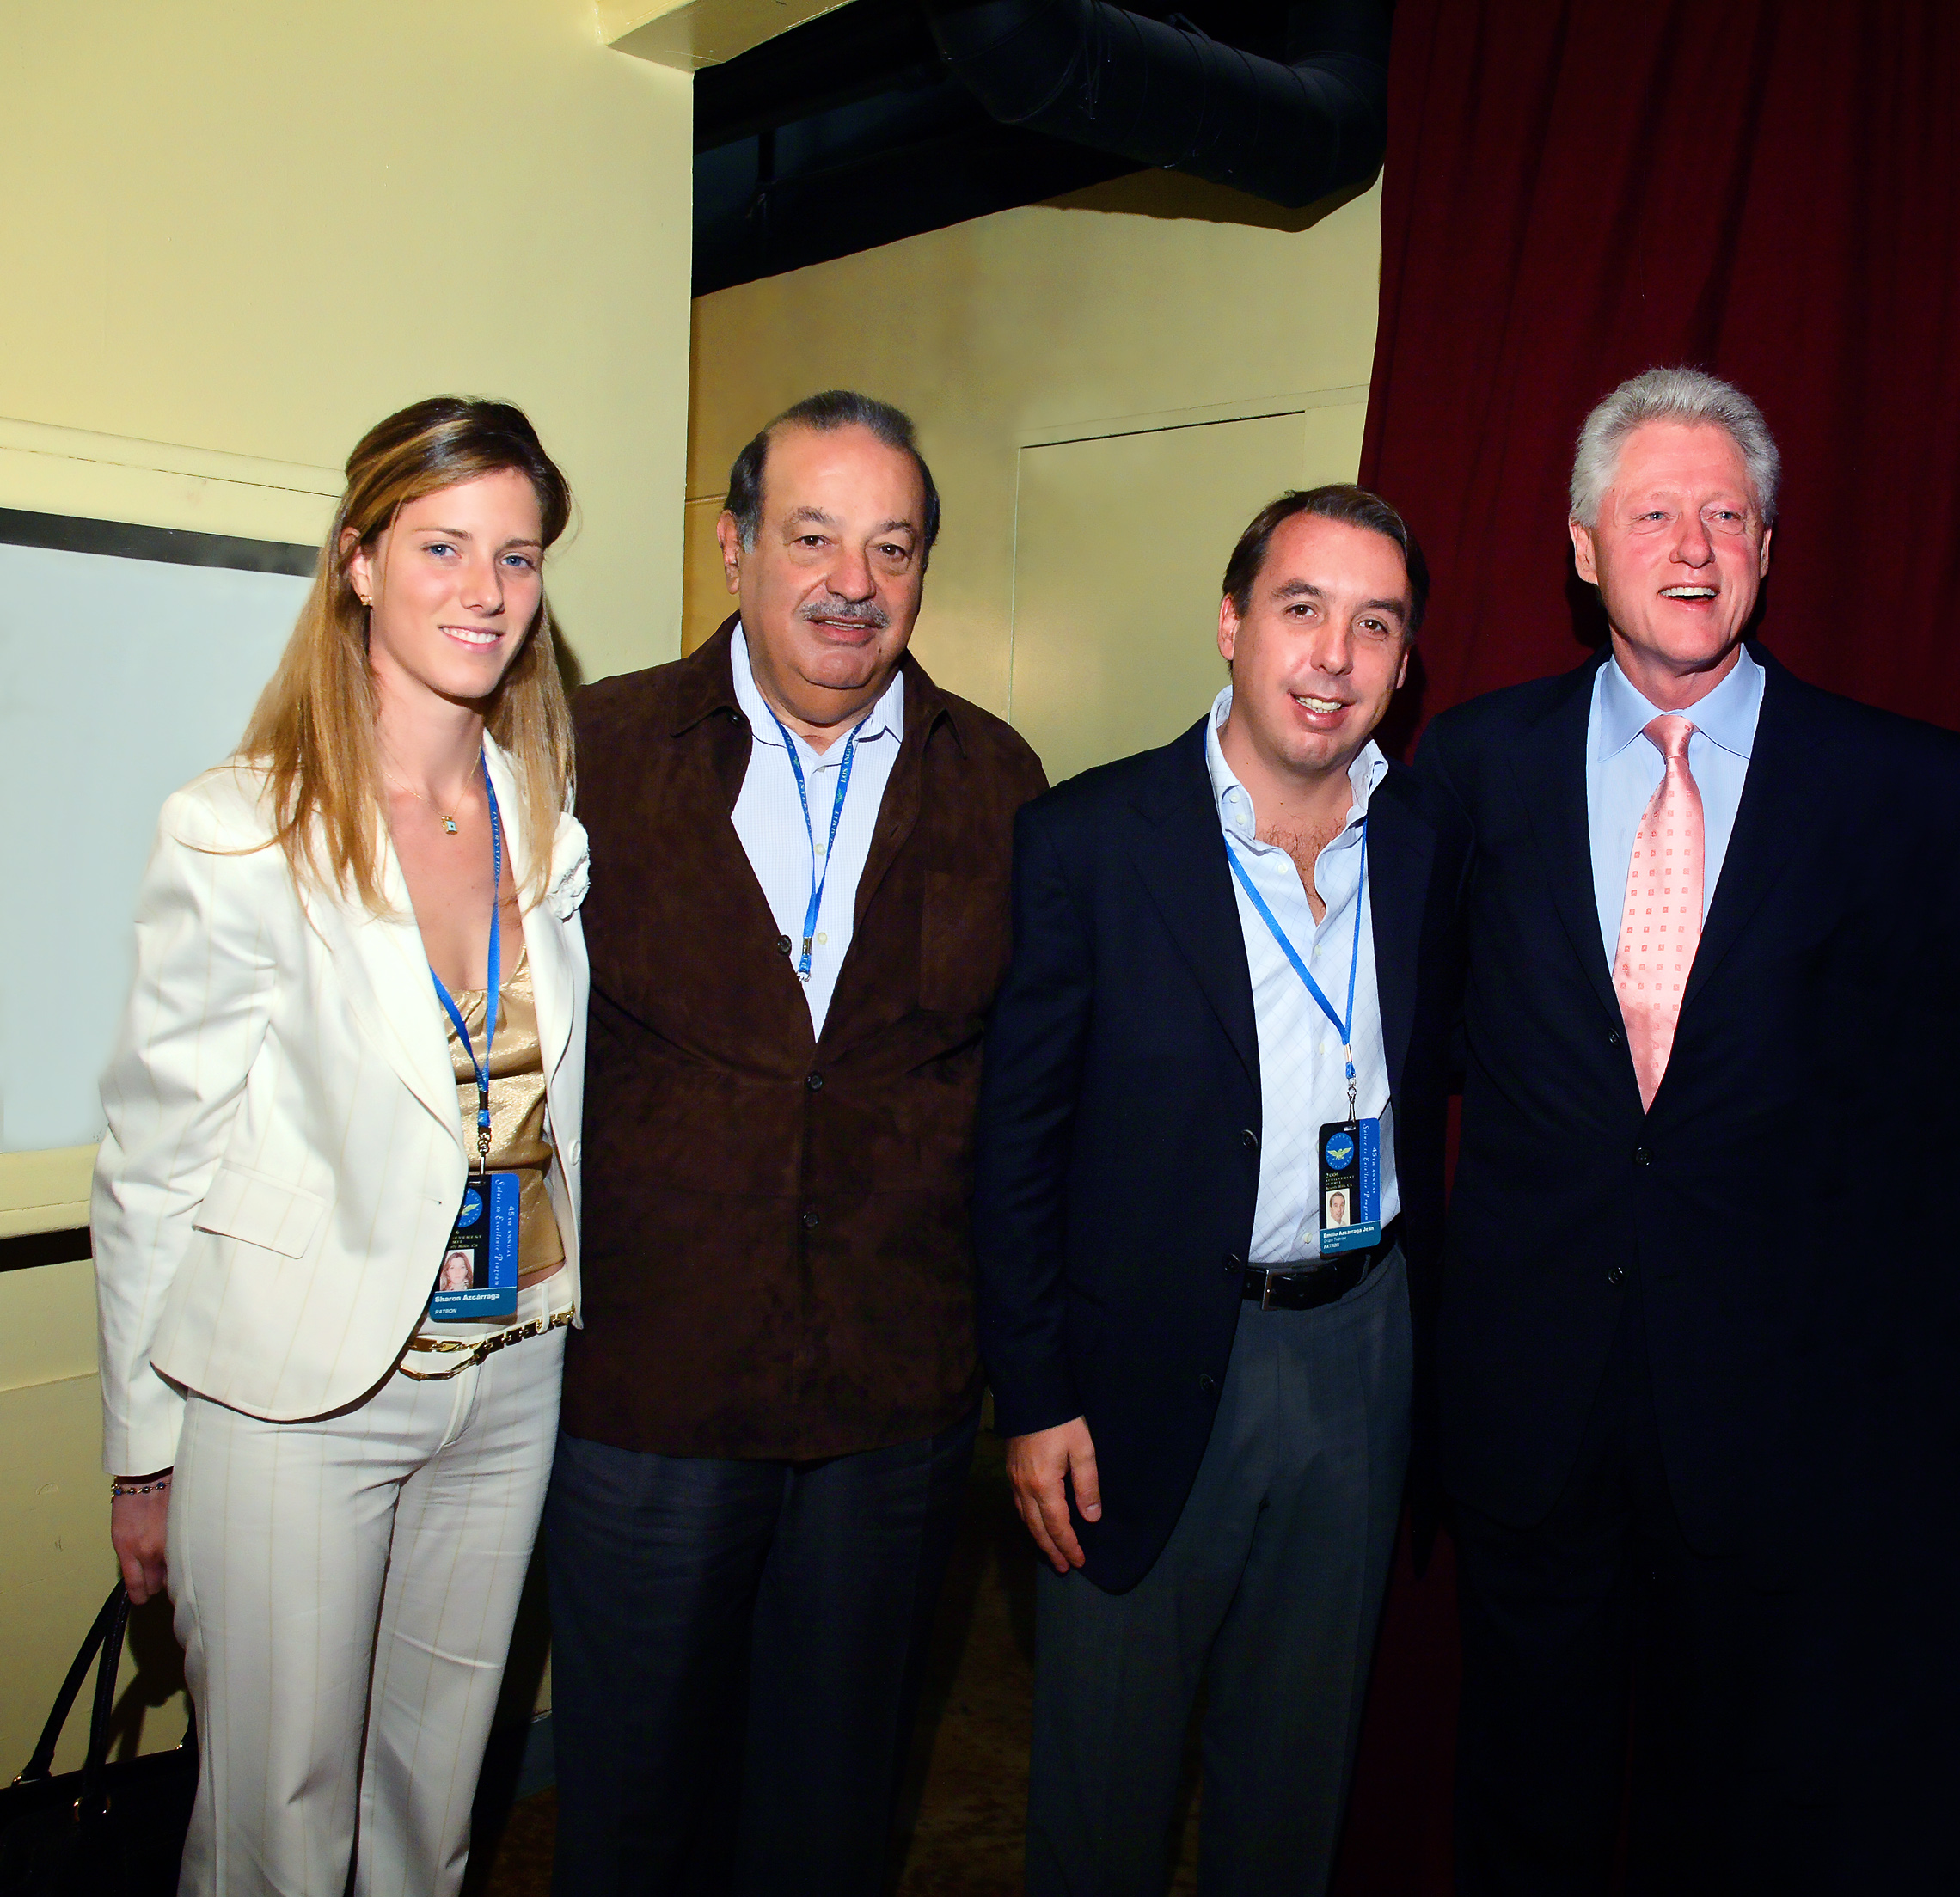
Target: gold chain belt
(474, 1353)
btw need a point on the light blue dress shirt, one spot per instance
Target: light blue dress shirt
(1302, 1068)
(769, 819)
(1624, 770)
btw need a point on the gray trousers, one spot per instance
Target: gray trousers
(1267, 1594)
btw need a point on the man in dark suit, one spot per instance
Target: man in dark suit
(799, 917)
(1692, 933)
(1228, 1012)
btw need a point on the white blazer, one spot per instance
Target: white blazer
(286, 1153)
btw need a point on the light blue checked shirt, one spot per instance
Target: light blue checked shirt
(1302, 1070)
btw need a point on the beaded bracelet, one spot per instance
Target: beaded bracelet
(139, 1488)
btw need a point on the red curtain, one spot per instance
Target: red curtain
(1769, 189)
(1573, 192)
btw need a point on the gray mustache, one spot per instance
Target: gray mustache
(873, 618)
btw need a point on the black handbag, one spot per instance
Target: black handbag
(112, 1829)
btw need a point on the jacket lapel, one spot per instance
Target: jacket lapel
(1402, 845)
(1764, 837)
(1181, 860)
(863, 998)
(715, 769)
(552, 975)
(1551, 776)
(380, 962)
(385, 971)
(898, 814)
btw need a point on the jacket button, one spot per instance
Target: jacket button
(809, 1222)
(814, 1082)
(782, 944)
(1233, 1262)
(1615, 1273)
(1613, 1039)
(1249, 1139)
(1642, 1156)
(1207, 1382)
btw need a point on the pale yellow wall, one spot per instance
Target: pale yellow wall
(1120, 542)
(1141, 307)
(257, 229)
(237, 233)
(55, 1566)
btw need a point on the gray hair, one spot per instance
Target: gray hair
(833, 409)
(1690, 395)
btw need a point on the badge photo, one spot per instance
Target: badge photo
(1351, 1186)
(478, 1276)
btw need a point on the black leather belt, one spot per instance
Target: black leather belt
(1306, 1286)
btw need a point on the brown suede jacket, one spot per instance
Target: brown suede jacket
(776, 1256)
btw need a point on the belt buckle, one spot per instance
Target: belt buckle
(1265, 1292)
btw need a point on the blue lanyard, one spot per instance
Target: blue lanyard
(483, 1067)
(817, 881)
(1343, 1028)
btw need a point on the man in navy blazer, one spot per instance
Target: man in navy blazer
(1233, 968)
(1671, 1285)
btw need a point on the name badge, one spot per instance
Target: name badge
(1351, 1186)
(477, 1277)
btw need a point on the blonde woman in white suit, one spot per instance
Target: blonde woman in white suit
(337, 1480)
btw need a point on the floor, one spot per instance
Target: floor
(959, 1832)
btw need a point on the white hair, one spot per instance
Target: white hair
(1690, 395)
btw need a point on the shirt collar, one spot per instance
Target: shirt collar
(886, 716)
(1235, 801)
(1726, 717)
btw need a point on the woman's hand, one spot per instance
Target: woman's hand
(136, 1525)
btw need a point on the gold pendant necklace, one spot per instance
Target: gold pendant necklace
(448, 821)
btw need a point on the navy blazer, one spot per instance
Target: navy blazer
(1791, 1150)
(1118, 1145)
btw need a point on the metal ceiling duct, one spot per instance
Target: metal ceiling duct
(1163, 92)
(881, 120)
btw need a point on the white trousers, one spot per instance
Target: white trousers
(345, 1591)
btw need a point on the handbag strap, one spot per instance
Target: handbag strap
(106, 1634)
(94, 1802)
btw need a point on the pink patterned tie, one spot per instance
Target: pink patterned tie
(1661, 927)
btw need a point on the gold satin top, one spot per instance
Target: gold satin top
(518, 1141)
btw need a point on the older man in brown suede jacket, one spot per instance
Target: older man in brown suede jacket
(798, 920)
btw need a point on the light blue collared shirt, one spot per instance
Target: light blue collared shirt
(769, 819)
(1302, 1070)
(1624, 770)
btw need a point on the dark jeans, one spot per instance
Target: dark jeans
(1601, 1607)
(1267, 1596)
(736, 1652)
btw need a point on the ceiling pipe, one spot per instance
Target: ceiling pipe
(1164, 93)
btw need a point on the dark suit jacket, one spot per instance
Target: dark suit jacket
(1753, 1210)
(1120, 1120)
(777, 1260)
